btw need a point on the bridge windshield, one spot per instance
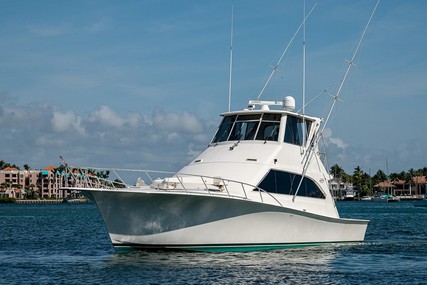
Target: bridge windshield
(249, 127)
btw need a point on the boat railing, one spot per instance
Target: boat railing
(87, 177)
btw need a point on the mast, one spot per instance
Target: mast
(231, 58)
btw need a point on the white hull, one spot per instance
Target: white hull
(167, 220)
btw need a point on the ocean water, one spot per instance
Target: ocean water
(68, 244)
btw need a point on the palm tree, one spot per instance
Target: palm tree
(380, 176)
(358, 178)
(30, 193)
(337, 172)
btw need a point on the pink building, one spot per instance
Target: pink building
(18, 184)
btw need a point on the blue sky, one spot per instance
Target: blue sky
(140, 84)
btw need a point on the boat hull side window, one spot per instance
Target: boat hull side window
(287, 183)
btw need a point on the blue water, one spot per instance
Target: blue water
(68, 244)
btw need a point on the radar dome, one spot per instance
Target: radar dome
(289, 103)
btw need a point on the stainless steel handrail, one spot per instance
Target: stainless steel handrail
(90, 180)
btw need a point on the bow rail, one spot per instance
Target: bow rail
(114, 179)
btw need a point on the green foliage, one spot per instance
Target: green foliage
(4, 164)
(363, 182)
(30, 193)
(7, 200)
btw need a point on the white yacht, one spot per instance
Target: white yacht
(260, 184)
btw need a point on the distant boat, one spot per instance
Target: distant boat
(386, 198)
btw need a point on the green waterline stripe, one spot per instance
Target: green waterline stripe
(123, 248)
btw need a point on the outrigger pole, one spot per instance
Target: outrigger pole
(349, 65)
(316, 137)
(284, 52)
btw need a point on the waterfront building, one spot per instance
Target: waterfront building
(46, 183)
(412, 189)
(342, 190)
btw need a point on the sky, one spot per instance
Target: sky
(142, 84)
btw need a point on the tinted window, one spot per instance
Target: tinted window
(243, 131)
(287, 183)
(294, 130)
(268, 131)
(224, 129)
(245, 127)
(249, 127)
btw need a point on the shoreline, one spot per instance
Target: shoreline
(51, 201)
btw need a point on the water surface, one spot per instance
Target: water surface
(68, 244)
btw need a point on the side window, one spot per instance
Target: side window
(294, 130)
(287, 183)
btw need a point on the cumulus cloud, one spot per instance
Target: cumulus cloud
(184, 122)
(108, 117)
(104, 137)
(66, 122)
(329, 139)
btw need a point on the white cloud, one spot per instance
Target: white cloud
(339, 143)
(184, 122)
(66, 122)
(107, 117)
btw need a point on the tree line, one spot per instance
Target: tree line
(363, 181)
(360, 179)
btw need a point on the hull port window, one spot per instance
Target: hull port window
(294, 130)
(287, 183)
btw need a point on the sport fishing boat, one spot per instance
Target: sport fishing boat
(260, 184)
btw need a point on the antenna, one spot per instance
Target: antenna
(231, 59)
(284, 52)
(303, 82)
